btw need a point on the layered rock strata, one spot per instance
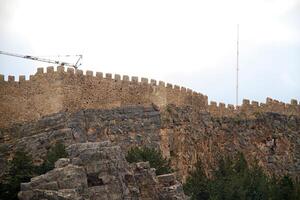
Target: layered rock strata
(99, 171)
(183, 134)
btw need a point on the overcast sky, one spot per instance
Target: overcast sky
(188, 43)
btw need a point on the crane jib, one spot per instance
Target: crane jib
(76, 65)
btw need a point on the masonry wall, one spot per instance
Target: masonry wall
(255, 108)
(68, 90)
(54, 91)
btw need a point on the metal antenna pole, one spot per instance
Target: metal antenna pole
(237, 68)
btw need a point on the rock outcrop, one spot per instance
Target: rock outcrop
(126, 127)
(271, 139)
(99, 171)
(82, 110)
(183, 135)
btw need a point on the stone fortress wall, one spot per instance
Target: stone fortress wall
(249, 109)
(66, 105)
(70, 90)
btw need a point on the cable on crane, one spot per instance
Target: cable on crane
(76, 65)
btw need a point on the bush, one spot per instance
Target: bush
(285, 189)
(196, 184)
(155, 158)
(235, 179)
(56, 152)
(20, 170)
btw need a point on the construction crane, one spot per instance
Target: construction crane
(76, 65)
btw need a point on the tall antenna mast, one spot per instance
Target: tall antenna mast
(237, 67)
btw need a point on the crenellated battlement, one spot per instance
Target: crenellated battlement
(60, 70)
(52, 90)
(254, 107)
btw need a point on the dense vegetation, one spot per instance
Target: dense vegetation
(21, 169)
(235, 179)
(155, 158)
(56, 152)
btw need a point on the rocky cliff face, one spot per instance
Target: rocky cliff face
(99, 171)
(76, 109)
(271, 139)
(127, 126)
(182, 134)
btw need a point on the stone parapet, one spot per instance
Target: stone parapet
(54, 90)
(255, 108)
(51, 91)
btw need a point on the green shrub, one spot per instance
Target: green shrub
(155, 158)
(235, 179)
(56, 152)
(285, 188)
(196, 184)
(20, 170)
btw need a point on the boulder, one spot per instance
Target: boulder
(98, 170)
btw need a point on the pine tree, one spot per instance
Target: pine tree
(20, 170)
(56, 152)
(155, 158)
(196, 185)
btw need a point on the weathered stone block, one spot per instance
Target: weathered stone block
(269, 100)
(60, 69)
(62, 162)
(176, 87)
(50, 69)
(125, 78)
(106, 178)
(143, 165)
(25, 186)
(70, 71)
(222, 105)
(169, 85)
(40, 70)
(246, 102)
(108, 76)
(77, 161)
(230, 106)
(153, 82)
(11, 78)
(167, 179)
(89, 73)
(99, 75)
(22, 78)
(161, 83)
(195, 94)
(134, 79)
(78, 72)
(144, 80)
(254, 103)
(117, 77)
(294, 102)
(213, 103)
(48, 186)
